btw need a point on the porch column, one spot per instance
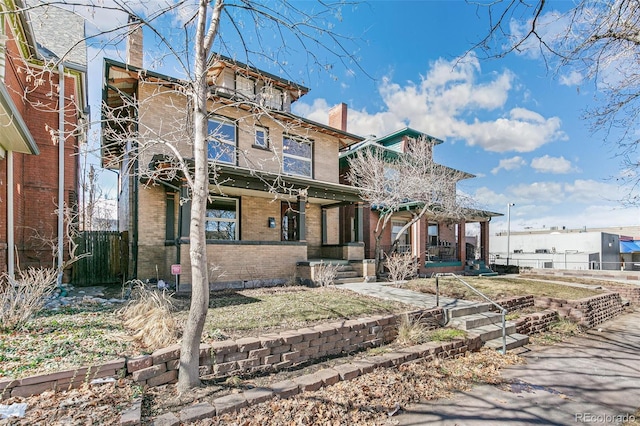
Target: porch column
(462, 242)
(484, 242)
(302, 201)
(359, 223)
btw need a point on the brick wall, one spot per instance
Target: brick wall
(588, 312)
(515, 303)
(267, 353)
(629, 293)
(36, 177)
(538, 322)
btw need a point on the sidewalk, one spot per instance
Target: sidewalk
(592, 379)
(386, 291)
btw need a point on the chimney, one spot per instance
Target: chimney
(134, 42)
(338, 117)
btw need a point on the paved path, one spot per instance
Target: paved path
(587, 380)
(385, 291)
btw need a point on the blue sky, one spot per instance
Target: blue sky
(513, 123)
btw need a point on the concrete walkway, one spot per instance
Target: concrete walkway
(386, 291)
(592, 379)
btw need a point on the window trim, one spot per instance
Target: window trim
(297, 157)
(221, 121)
(236, 220)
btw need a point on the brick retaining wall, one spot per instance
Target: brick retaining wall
(538, 322)
(515, 303)
(629, 293)
(267, 353)
(588, 312)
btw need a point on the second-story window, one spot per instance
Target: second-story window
(245, 87)
(272, 97)
(297, 157)
(222, 141)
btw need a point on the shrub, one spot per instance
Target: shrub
(401, 266)
(325, 274)
(24, 296)
(148, 315)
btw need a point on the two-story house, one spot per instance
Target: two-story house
(41, 118)
(274, 194)
(438, 244)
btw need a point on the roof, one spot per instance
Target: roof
(59, 34)
(15, 135)
(398, 135)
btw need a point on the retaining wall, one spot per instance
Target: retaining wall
(267, 353)
(632, 294)
(538, 322)
(588, 312)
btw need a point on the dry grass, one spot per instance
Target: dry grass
(446, 334)
(411, 332)
(500, 287)
(21, 298)
(148, 315)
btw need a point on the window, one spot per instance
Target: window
(222, 141)
(297, 157)
(404, 240)
(272, 97)
(222, 219)
(289, 222)
(432, 232)
(262, 137)
(245, 86)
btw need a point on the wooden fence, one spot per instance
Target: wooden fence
(104, 258)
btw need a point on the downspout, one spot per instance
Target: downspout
(60, 171)
(10, 211)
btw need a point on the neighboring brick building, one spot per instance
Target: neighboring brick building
(276, 202)
(30, 96)
(439, 245)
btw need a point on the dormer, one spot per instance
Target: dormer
(242, 82)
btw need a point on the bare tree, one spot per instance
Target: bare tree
(390, 181)
(592, 41)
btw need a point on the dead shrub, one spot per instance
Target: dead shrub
(149, 316)
(24, 296)
(325, 274)
(401, 266)
(411, 331)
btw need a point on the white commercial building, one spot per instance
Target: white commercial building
(557, 249)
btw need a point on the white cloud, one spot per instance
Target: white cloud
(545, 192)
(548, 164)
(512, 163)
(447, 103)
(574, 78)
(589, 191)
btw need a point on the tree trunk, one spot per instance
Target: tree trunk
(189, 376)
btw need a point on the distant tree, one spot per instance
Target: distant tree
(594, 40)
(390, 181)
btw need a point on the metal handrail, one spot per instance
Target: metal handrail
(503, 311)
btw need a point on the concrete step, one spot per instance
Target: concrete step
(469, 322)
(492, 331)
(338, 281)
(478, 308)
(345, 268)
(514, 340)
(347, 274)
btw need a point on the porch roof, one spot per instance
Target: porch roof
(238, 177)
(465, 213)
(242, 178)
